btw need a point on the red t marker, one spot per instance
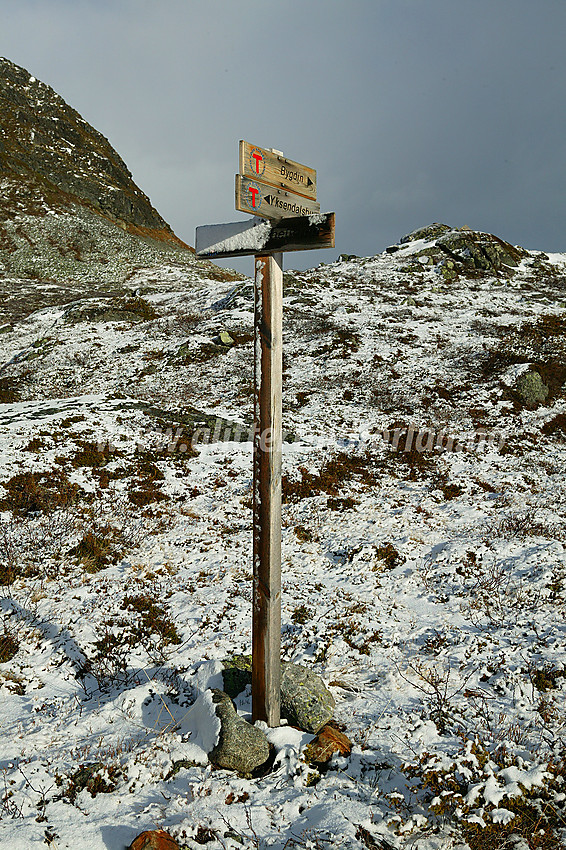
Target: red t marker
(258, 158)
(254, 192)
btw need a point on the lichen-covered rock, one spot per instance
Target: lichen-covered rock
(241, 746)
(305, 700)
(237, 674)
(531, 389)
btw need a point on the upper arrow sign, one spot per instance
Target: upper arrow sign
(273, 168)
(253, 196)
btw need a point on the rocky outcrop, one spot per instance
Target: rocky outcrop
(458, 251)
(476, 250)
(430, 231)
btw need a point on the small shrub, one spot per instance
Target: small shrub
(449, 491)
(38, 492)
(10, 388)
(546, 678)
(34, 445)
(556, 426)
(98, 548)
(409, 449)
(148, 628)
(9, 646)
(139, 306)
(109, 664)
(90, 455)
(333, 475)
(301, 615)
(346, 504)
(533, 816)
(303, 534)
(343, 343)
(153, 619)
(389, 557)
(96, 778)
(146, 486)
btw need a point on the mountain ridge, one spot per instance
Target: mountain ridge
(68, 200)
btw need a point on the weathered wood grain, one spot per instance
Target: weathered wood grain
(266, 616)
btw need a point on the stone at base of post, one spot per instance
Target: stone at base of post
(266, 616)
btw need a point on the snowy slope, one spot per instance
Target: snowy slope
(423, 581)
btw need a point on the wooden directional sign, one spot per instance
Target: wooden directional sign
(253, 196)
(242, 238)
(284, 192)
(273, 168)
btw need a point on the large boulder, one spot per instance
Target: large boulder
(241, 746)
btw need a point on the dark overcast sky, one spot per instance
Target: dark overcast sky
(411, 111)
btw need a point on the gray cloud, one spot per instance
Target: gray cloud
(410, 111)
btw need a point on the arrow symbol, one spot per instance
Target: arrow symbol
(269, 199)
(310, 182)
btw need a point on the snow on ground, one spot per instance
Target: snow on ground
(426, 587)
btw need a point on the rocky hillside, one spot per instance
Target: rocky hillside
(423, 529)
(69, 209)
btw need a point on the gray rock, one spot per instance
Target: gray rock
(531, 389)
(305, 700)
(241, 746)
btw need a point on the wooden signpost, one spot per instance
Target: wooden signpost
(284, 192)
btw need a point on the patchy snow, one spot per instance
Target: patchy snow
(426, 587)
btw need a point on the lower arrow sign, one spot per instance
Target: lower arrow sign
(267, 201)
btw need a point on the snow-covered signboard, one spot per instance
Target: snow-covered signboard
(270, 166)
(267, 201)
(242, 238)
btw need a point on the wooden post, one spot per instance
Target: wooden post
(266, 617)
